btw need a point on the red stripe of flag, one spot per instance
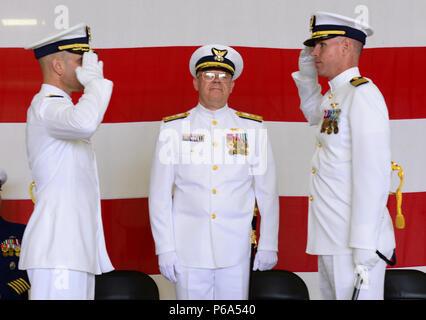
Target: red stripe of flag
(131, 246)
(150, 83)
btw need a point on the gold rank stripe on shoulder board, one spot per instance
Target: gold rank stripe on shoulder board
(176, 116)
(249, 116)
(357, 81)
(54, 96)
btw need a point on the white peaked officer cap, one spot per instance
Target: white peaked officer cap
(75, 39)
(326, 25)
(3, 177)
(216, 56)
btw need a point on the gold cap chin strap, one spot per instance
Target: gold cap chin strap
(399, 219)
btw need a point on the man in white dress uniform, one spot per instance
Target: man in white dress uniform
(63, 246)
(210, 166)
(349, 225)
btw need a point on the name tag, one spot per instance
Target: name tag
(193, 137)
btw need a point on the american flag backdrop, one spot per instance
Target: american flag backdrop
(146, 46)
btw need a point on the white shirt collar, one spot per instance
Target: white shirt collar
(48, 89)
(210, 113)
(343, 78)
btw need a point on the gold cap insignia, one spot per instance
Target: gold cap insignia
(312, 23)
(89, 34)
(219, 54)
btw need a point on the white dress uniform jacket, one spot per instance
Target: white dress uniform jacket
(207, 219)
(65, 229)
(351, 169)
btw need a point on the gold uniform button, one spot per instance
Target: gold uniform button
(214, 144)
(215, 167)
(214, 191)
(319, 144)
(214, 122)
(313, 170)
(213, 216)
(311, 198)
(330, 96)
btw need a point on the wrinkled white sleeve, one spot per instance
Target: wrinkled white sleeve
(310, 97)
(63, 120)
(266, 192)
(371, 165)
(160, 193)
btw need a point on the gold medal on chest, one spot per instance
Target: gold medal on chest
(330, 121)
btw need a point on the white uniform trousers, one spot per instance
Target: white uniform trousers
(337, 278)
(60, 284)
(231, 283)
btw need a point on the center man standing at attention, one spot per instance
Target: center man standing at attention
(211, 165)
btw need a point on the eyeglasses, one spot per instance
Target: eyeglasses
(221, 76)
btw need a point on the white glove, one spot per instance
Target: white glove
(90, 69)
(265, 260)
(307, 63)
(362, 272)
(365, 257)
(167, 263)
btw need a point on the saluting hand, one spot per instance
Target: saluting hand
(90, 69)
(307, 63)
